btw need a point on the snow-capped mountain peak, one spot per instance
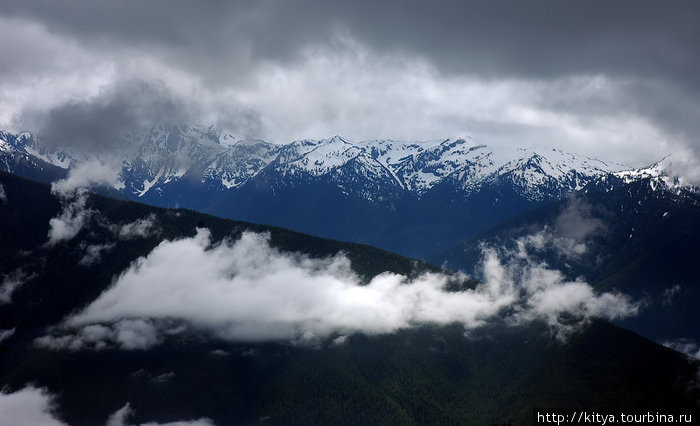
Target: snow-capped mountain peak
(168, 154)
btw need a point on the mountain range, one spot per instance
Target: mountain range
(413, 198)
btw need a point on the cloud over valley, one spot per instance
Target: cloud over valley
(246, 290)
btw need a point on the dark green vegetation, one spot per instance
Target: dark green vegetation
(646, 245)
(427, 374)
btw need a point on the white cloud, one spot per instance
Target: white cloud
(46, 69)
(686, 346)
(340, 340)
(577, 222)
(550, 296)
(93, 171)
(140, 228)
(73, 216)
(6, 334)
(341, 86)
(120, 417)
(567, 235)
(162, 378)
(199, 422)
(73, 194)
(75, 213)
(669, 294)
(129, 334)
(3, 195)
(345, 88)
(248, 291)
(11, 282)
(93, 253)
(684, 165)
(29, 406)
(245, 290)
(33, 406)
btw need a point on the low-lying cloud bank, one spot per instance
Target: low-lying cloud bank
(35, 406)
(246, 290)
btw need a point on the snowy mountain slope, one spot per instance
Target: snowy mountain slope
(28, 144)
(22, 154)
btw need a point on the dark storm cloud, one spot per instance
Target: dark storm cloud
(98, 123)
(533, 39)
(611, 79)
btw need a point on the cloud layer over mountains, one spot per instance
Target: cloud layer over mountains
(616, 81)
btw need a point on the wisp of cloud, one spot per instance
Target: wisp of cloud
(72, 192)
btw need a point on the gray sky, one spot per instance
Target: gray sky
(613, 79)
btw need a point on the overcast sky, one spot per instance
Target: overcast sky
(614, 79)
